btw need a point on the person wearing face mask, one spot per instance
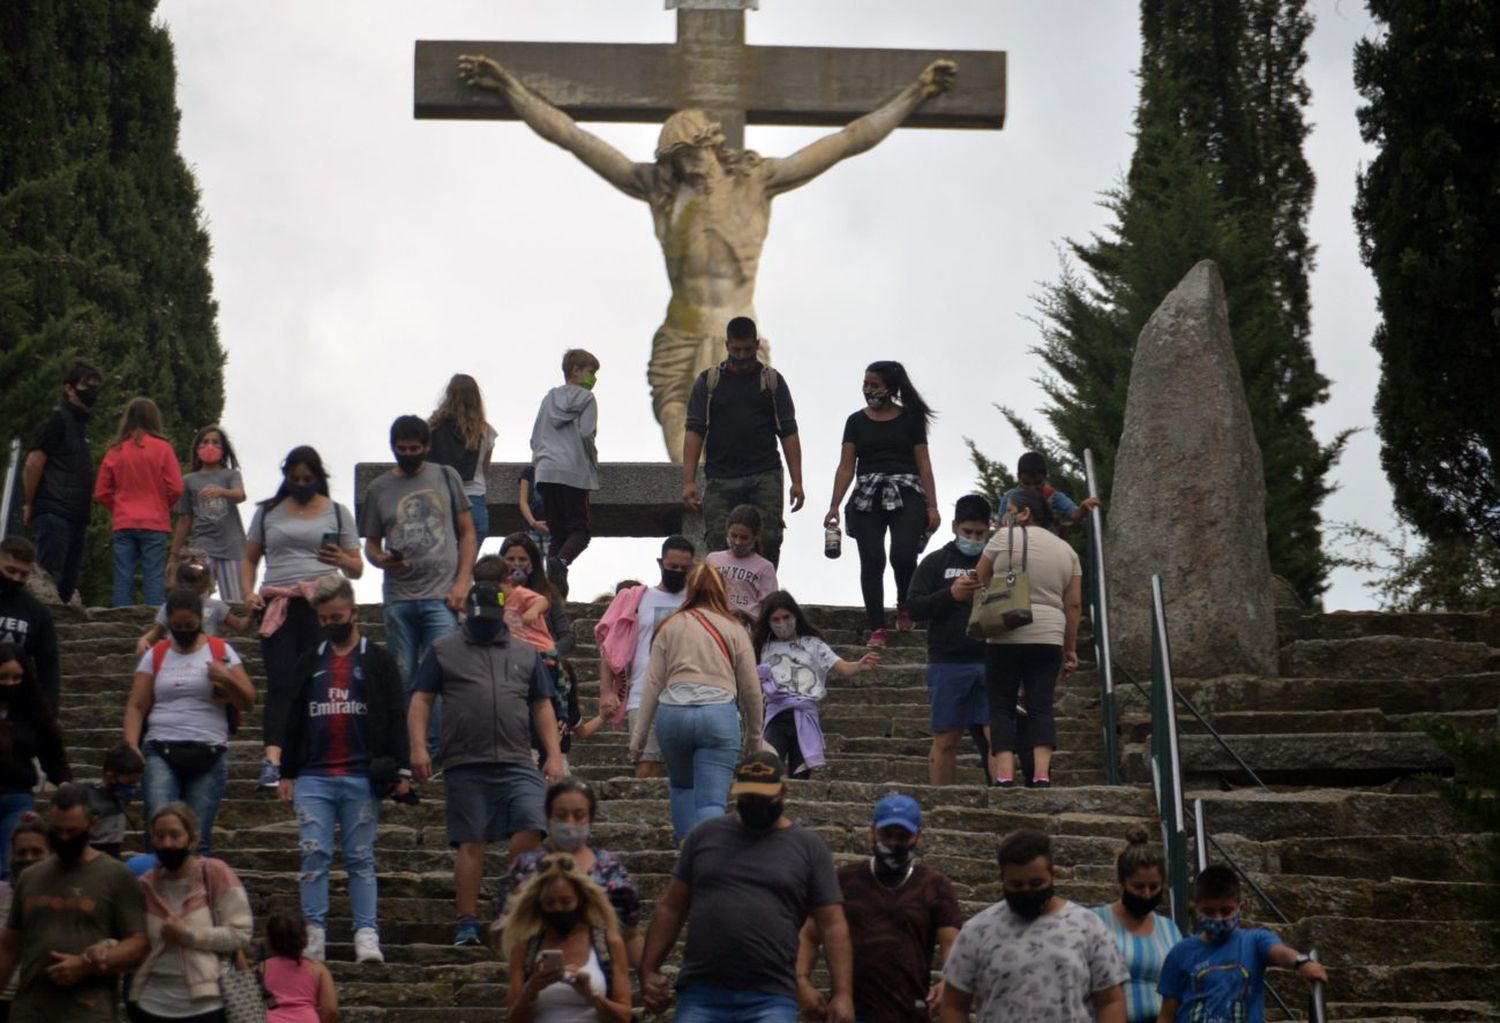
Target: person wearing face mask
(58, 480)
(303, 534)
(745, 885)
(419, 530)
(1033, 955)
(795, 661)
(571, 806)
(1220, 972)
(1142, 936)
(899, 911)
(28, 846)
(197, 916)
(565, 456)
(499, 693)
(349, 712)
(120, 782)
(942, 595)
(29, 734)
(24, 620)
(748, 577)
(208, 514)
(175, 714)
(76, 921)
(736, 413)
(624, 635)
(702, 696)
(567, 959)
(884, 454)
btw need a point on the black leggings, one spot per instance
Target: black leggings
(1008, 667)
(781, 733)
(138, 1015)
(567, 511)
(907, 524)
(281, 651)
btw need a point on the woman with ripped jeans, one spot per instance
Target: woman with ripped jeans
(346, 749)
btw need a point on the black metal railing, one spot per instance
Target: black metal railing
(1099, 617)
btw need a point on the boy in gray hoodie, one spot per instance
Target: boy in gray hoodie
(566, 461)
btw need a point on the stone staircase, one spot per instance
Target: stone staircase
(1371, 868)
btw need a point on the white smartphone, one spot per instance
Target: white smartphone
(550, 959)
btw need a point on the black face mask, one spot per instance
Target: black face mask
(758, 814)
(891, 859)
(185, 638)
(338, 633)
(1028, 905)
(562, 922)
(484, 630)
(87, 396)
(10, 587)
(173, 859)
(69, 850)
(410, 463)
(742, 364)
(673, 579)
(302, 493)
(1137, 906)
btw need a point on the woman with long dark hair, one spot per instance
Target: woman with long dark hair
(522, 555)
(304, 535)
(28, 732)
(139, 482)
(461, 438)
(885, 456)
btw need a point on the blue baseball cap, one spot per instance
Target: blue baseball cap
(901, 811)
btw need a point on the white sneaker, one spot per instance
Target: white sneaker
(317, 942)
(367, 946)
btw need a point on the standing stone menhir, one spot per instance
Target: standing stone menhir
(1189, 496)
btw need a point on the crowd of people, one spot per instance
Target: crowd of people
(715, 672)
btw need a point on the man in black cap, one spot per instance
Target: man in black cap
(495, 690)
(745, 885)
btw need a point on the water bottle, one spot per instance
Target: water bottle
(833, 542)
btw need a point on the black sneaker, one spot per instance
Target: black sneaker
(1040, 783)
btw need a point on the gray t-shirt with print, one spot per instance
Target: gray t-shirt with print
(217, 528)
(292, 543)
(418, 516)
(1044, 970)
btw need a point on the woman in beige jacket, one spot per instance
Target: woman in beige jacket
(703, 696)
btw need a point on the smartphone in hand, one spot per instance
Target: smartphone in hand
(330, 540)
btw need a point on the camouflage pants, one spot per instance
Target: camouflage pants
(764, 490)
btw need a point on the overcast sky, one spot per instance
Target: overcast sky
(361, 257)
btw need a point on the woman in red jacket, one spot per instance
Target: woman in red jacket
(139, 482)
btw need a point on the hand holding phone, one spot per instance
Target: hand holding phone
(330, 540)
(550, 959)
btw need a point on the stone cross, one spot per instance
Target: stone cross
(711, 67)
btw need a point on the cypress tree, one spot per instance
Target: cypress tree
(1428, 211)
(102, 247)
(1218, 173)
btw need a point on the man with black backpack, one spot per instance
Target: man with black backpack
(736, 412)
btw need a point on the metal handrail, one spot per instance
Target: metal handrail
(12, 467)
(1317, 998)
(1166, 761)
(1099, 616)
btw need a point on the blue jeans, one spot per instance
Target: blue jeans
(160, 785)
(480, 509)
(12, 805)
(59, 550)
(709, 1003)
(411, 626)
(700, 746)
(322, 800)
(146, 550)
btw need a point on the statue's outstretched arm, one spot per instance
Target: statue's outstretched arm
(557, 127)
(857, 136)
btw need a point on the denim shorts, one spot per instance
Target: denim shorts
(491, 802)
(958, 696)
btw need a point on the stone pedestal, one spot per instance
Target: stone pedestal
(1189, 496)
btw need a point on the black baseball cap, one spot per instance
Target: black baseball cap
(759, 774)
(486, 600)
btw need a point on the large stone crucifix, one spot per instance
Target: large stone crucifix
(710, 198)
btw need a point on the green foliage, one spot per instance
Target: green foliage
(1456, 574)
(1218, 173)
(1475, 793)
(102, 247)
(1427, 210)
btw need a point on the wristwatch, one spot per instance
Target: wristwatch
(1301, 961)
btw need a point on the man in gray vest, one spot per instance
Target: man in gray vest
(495, 690)
(737, 410)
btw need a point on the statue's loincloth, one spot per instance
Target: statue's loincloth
(676, 360)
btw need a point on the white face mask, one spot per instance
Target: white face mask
(784, 629)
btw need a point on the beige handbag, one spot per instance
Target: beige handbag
(1005, 604)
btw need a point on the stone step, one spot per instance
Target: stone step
(1137, 727)
(1434, 694)
(1482, 627)
(1385, 657)
(1332, 759)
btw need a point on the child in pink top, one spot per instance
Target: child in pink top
(749, 577)
(526, 615)
(302, 987)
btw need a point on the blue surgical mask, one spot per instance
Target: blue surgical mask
(1218, 929)
(969, 548)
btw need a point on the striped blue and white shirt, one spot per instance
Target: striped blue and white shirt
(1143, 958)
